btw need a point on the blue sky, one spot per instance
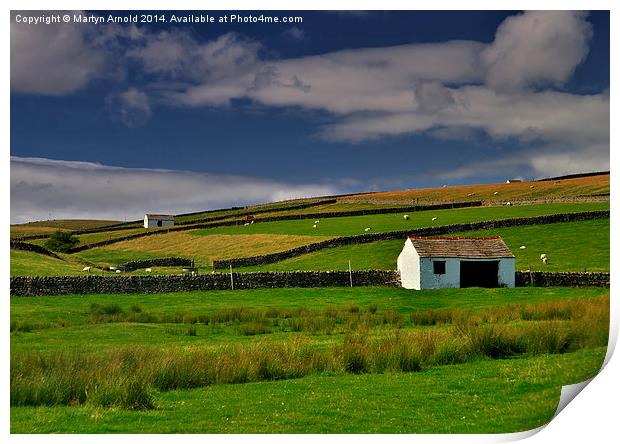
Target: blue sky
(112, 121)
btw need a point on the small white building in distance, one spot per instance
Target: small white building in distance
(428, 263)
(158, 220)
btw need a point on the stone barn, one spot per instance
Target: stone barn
(158, 220)
(427, 263)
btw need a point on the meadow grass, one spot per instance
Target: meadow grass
(484, 396)
(562, 242)
(352, 225)
(28, 263)
(123, 377)
(128, 355)
(203, 249)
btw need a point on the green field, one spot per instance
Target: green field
(27, 263)
(562, 242)
(489, 396)
(352, 225)
(163, 328)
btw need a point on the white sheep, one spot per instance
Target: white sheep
(406, 217)
(246, 224)
(118, 271)
(317, 221)
(434, 218)
(148, 270)
(545, 260)
(86, 269)
(542, 256)
(522, 247)
(314, 226)
(508, 203)
(367, 229)
(496, 193)
(251, 222)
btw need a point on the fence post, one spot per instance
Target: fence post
(232, 283)
(350, 274)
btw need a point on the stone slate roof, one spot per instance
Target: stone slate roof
(160, 216)
(462, 248)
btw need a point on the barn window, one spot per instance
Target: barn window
(439, 267)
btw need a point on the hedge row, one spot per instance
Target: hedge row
(402, 234)
(16, 245)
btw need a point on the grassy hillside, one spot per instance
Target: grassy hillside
(50, 226)
(203, 249)
(553, 189)
(562, 242)
(27, 263)
(348, 226)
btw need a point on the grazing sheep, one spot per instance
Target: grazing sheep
(246, 224)
(531, 186)
(522, 247)
(251, 222)
(86, 269)
(367, 229)
(545, 260)
(496, 193)
(317, 221)
(118, 271)
(508, 203)
(406, 217)
(314, 226)
(148, 270)
(434, 218)
(542, 256)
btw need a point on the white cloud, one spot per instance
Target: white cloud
(53, 59)
(175, 54)
(536, 47)
(69, 189)
(131, 107)
(295, 33)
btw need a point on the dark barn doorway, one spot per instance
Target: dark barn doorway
(479, 274)
(159, 223)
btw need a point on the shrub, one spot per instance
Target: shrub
(105, 309)
(372, 308)
(61, 241)
(355, 354)
(254, 328)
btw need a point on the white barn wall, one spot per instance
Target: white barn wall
(506, 272)
(408, 264)
(430, 280)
